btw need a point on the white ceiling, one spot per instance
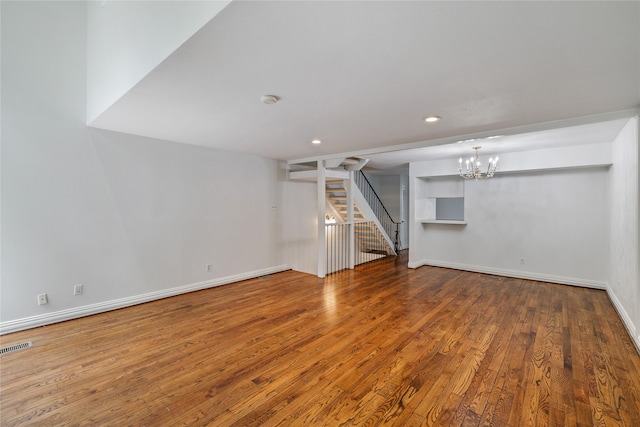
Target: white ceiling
(361, 76)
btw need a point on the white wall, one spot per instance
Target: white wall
(389, 188)
(130, 218)
(404, 227)
(557, 220)
(575, 156)
(128, 39)
(624, 283)
(301, 216)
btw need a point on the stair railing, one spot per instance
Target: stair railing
(337, 246)
(367, 247)
(370, 195)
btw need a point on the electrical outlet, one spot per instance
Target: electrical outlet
(209, 267)
(78, 289)
(521, 260)
(42, 299)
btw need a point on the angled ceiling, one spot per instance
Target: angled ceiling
(363, 75)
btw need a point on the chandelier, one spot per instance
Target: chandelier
(472, 169)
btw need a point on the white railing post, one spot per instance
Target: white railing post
(322, 238)
(351, 221)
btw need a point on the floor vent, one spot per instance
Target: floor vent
(16, 347)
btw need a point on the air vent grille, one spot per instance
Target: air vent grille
(15, 347)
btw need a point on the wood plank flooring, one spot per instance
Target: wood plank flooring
(382, 345)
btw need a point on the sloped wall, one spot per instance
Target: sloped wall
(128, 39)
(130, 218)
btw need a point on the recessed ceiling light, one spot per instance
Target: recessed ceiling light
(316, 141)
(269, 99)
(478, 139)
(432, 119)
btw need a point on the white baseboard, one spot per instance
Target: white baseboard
(415, 264)
(88, 310)
(513, 273)
(626, 320)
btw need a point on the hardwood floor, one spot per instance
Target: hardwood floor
(381, 345)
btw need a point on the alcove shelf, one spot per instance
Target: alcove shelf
(440, 210)
(442, 221)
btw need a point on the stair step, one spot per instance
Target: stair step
(366, 235)
(370, 239)
(377, 251)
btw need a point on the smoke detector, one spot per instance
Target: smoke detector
(269, 99)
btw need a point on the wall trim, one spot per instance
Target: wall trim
(101, 307)
(563, 280)
(626, 320)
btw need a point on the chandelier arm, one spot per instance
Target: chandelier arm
(473, 170)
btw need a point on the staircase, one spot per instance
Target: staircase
(372, 225)
(337, 196)
(368, 236)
